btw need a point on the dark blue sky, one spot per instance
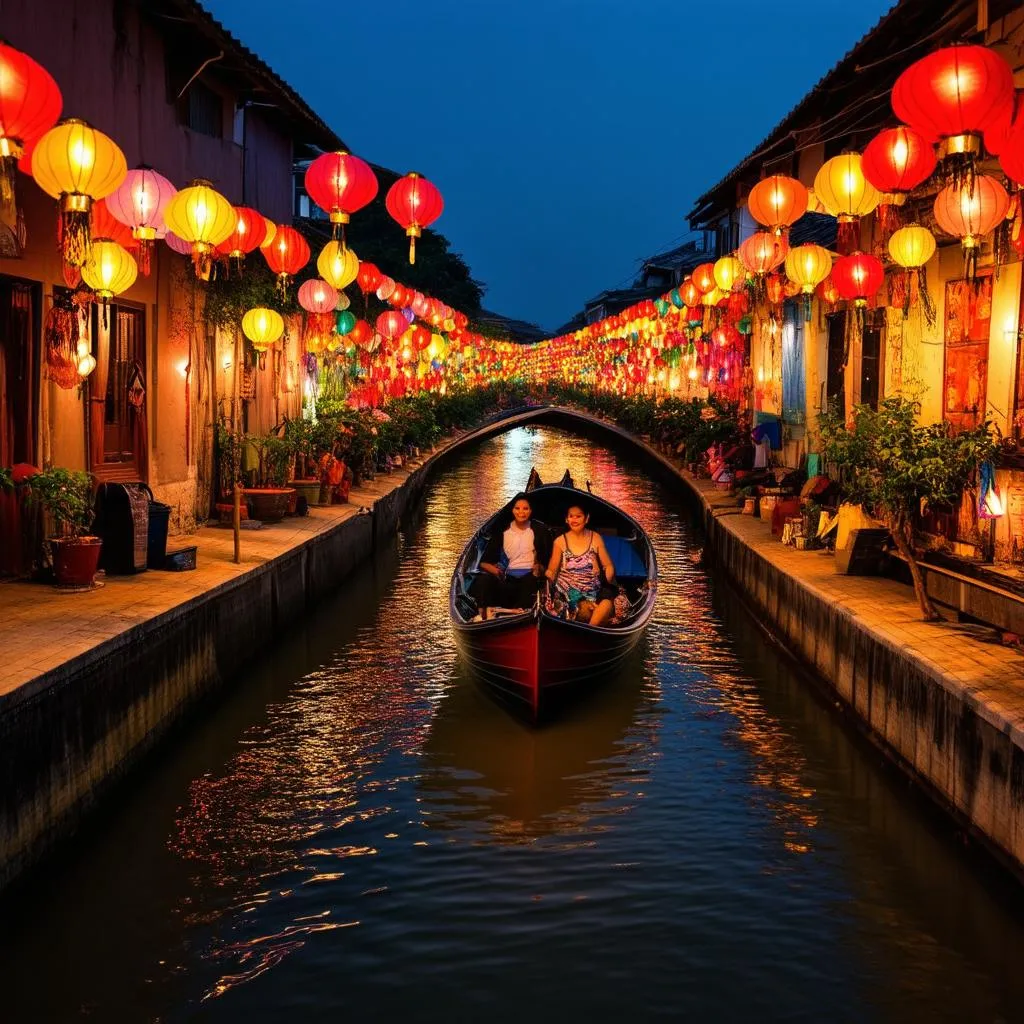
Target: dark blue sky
(568, 137)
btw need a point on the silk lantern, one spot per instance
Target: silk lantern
(969, 211)
(109, 271)
(911, 247)
(262, 327)
(77, 165)
(368, 278)
(729, 273)
(777, 202)
(895, 162)
(202, 217)
(248, 234)
(286, 255)
(847, 195)
(139, 203)
(338, 264)
(807, 266)
(415, 203)
(340, 184)
(858, 276)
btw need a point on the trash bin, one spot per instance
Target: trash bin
(159, 517)
(122, 521)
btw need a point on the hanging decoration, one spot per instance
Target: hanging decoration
(340, 184)
(319, 299)
(109, 271)
(203, 218)
(911, 247)
(286, 255)
(246, 237)
(368, 278)
(60, 341)
(30, 103)
(955, 95)
(415, 203)
(970, 211)
(778, 202)
(338, 264)
(139, 203)
(262, 327)
(807, 266)
(895, 162)
(857, 278)
(729, 274)
(76, 165)
(847, 195)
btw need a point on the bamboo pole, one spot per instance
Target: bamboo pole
(237, 522)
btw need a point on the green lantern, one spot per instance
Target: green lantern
(345, 322)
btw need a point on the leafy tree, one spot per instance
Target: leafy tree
(892, 465)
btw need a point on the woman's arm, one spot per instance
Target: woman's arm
(605, 558)
(555, 561)
(492, 554)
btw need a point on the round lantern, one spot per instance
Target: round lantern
(895, 162)
(847, 195)
(762, 252)
(808, 266)
(954, 95)
(271, 231)
(139, 203)
(703, 277)
(248, 234)
(1011, 158)
(777, 202)
(858, 276)
(386, 288)
(338, 264)
(103, 224)
(178, 245)
(286, 255)
(262, 327)
(415, 203)
(340, 184)
(316, 296)
(77, 165)
(391, 325)
(109, 270)
(689, 293)
(344, 322)
(201, 216)
(369, 278)
(30, 103)
(911, 248)
(969, 211)
(729, 273)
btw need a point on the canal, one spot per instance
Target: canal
(353, 830)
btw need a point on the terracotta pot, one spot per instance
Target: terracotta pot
(75, 560)
(268, 504)
(309, 489)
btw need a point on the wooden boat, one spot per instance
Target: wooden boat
(534, 661)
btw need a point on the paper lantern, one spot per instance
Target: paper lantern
(271, 231)
(415, 203)
(338, 264)
(103, 224)
(287, 255)
(391, 325)
(345, 322)
(201, 216)
(777, 202)
(248, 234)
(895, 162)
(971, 211)
(808, 266)
(703, 277)
(911, 248)
(369, 278)
(30, 103)
(139, 203)
(729, 273)
(386, 288)
(762, 252)
(77, 165)
(262, 327)
(858, 276)
(178, 245)
(846, 194)
(955, 95)
(109, 270)
(689, 293)
(340, 184)
(316, 296)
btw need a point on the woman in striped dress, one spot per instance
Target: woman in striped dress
(577, 561)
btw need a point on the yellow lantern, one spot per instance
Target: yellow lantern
(271, 232)
(808, 266)
(729, 273)
(912, 247)
(846, 194)
(338, 265)
(77, 165)
(202, 217)
(110, 270)
(262, 327)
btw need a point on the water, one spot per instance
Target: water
(355, 831)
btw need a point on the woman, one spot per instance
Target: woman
(513, 562)
(577, 560)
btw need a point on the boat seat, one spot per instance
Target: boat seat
(624, 557)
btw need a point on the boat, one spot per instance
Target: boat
(532, 660)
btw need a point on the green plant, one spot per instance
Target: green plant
(67, 495)
(6, 479)
(890, 464)
(273, 459)
(229, 459)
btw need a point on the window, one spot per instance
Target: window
(794, 407)
(204, 110)
(870, 368)
(117, 394)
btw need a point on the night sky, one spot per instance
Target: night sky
(568, 137)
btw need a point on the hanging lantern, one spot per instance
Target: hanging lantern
(895, 162)
(109, 271)
(343, 300)
(391, 325)
(369, 278)
(249, 231)
(969, 212)
(415, 203)
(271, 231)
(338, 264)
(319, 300)
(729, 273)
(386, 289)
(858, 277)
(103, 224)
(262, 327)
(202, 217)
(30, 103)
(139, 203)
(703, 277)
(689, 293)
(340, 184)
(178, 245)
(955, 95)
(847, 195)
(807, 266)
(345, 322)
(286, 255)
(911, 248)
(762, 252)
(316, 296)
(777, 202)
(77, 165)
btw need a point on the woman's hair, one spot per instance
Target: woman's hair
(577, 504)
(521, 496)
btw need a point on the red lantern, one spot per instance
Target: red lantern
(704, 278)
(689, 293)
(30, 104)
(391, 325)
(399, 298)
(361, 333)
(1011, 155)
(250, 230)
(286, 255)
(971, 211)
(340, 184)
(895, 162)
(954, 95)
(858, 277)
(369, 278)
(103, 224)
(415, 203)
(420, 338)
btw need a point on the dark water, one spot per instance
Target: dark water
(355, 832)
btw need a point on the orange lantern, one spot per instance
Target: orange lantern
(777, 202)
(286, 255)
(969, 211)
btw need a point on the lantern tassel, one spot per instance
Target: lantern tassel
(74, 237)
(927, 302)
(8, 176)
(145, 255)
(412, 249)
(848, 235)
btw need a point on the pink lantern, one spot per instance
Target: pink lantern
(178, 244)
(317, 296)
(385, 289)
(391, 325)
(139, 203)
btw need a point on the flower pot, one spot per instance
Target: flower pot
(309, 489)
(75, 560)
(268, 504)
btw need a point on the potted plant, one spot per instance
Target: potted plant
(301, 436)
(67, 495)
(269, 496)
